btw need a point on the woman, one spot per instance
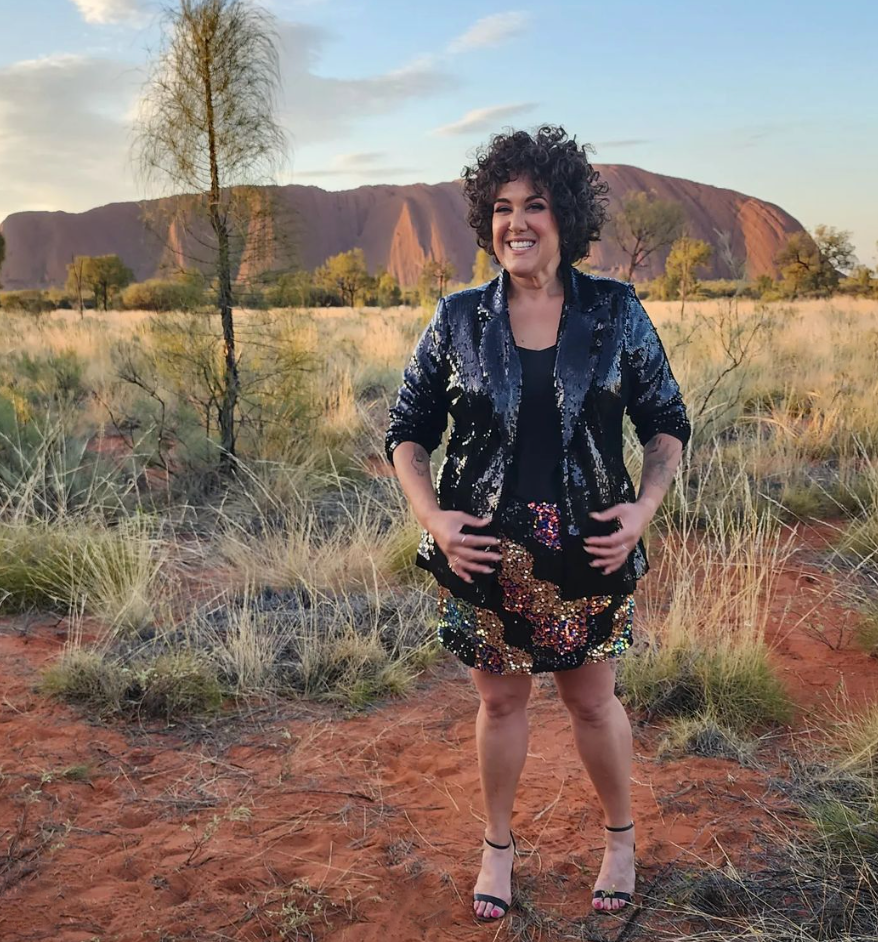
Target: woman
(534, 531)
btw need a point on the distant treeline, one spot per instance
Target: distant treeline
(809, 266)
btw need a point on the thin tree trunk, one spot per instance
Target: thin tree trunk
(632, 260)
(231, 385)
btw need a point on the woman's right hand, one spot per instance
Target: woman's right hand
(466, 552)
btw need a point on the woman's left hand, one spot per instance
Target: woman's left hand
(610, 552)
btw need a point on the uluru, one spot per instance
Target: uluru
(397, 227)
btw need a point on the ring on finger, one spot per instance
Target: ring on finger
(463, 539)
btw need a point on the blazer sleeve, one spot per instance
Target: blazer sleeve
(420, 413)
(654, 401)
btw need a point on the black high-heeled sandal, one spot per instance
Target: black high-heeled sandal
(495, 900)
(613, 894)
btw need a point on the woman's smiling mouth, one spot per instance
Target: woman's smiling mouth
(521, 245)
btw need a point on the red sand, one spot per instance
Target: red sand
(180, 837)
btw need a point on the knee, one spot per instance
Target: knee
(499, 706)
(592, 711)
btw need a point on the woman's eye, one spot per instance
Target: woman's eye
(539, 207)
(501, 209)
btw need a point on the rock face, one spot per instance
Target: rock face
(398, 228)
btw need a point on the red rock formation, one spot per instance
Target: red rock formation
(398, 228)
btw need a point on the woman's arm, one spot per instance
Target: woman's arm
(417, 422)
(659, 416)
(412, 465)
(661, 456)
(467, 553)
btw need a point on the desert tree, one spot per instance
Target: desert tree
(643, 225)
(434, 279)
(76, 283)
(207, 126)
(798, 261)
(386, 292)
(811, 264)
(483, 268)
(345, 274)
(686, 258)
(103, 275)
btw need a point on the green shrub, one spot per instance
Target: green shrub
(177, 683)
(738, 688)
(89, 678)
(167, 684)
(161, 295)
(27, 302)
(76, 566)
(866, 632)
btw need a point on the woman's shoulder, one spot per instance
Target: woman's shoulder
(466, 299)
(604, 284)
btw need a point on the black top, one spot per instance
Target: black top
(536, 467)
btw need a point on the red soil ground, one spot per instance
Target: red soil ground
(369, 823)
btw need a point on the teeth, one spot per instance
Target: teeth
(521, 245)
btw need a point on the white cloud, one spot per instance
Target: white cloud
(630, 142)
(362, 165)
(490, 31)
(63, 142)
(65, 121)
(318, 107)
(483, 119)
(111, 11)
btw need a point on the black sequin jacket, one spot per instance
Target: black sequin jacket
(609, 360)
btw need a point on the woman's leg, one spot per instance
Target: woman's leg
(602, 733)
(501, 742)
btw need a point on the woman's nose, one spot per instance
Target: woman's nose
(517, 222)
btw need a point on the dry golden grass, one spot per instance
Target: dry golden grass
(784, 399)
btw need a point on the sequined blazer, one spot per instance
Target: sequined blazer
(609, 361)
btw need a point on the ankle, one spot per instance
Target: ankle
(498, 839)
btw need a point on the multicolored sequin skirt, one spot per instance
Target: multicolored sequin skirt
(532, 630)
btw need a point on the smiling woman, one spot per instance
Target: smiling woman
(535, 533)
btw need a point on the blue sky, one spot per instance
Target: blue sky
(774, 99)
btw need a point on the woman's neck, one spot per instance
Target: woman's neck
(546, 284)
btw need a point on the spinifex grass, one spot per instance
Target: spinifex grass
(705, 607)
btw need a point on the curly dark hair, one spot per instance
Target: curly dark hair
(558, 167)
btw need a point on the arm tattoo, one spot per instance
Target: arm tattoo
(421, 460)
(660, 459)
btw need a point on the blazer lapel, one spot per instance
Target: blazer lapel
(579, 342)
(498, 358)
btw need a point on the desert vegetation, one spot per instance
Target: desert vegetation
(114, 507)
(190, 592)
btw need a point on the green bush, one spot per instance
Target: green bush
(28, 302)
(156, 294)
(168, 685)
(738, 689)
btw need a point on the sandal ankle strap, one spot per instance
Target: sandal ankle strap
(626, 828)
(499, 846)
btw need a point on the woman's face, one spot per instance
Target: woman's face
(525, 234)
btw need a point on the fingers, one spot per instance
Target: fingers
(610, 545)
(611, 513)
(475, 549)
(470, 539)
(607, 566)
(611, 539)
(610, 552)
(475, 521)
